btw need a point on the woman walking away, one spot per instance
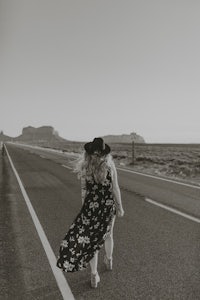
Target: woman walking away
(93, 226)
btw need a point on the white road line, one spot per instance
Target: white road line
(173, 210)
(60, 278)
(121, 169)
(160, 178)
(67, 167)
(176, 211)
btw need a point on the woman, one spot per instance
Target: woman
(93, 226)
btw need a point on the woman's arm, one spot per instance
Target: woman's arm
(83, 188)
(116, 192)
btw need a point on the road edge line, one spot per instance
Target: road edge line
(60, 278)
(160, 178)
(173, 210)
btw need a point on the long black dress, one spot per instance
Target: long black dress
(90, 228)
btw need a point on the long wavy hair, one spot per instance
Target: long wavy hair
(93, 165)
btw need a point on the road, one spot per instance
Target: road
(156, 254)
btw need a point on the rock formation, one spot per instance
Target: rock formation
(124, 138)
(42, 133)
(48, 134)
(4, 138)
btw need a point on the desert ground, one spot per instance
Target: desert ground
(177, 161)
(174, 161)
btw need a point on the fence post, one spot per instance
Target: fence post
(133, 153)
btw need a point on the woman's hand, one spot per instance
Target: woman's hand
(120, 212)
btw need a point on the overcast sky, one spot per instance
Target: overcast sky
(96, 67)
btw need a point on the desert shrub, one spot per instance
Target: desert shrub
(144, 159)
(197, 170)
(179, 162)
(118, 156)
(186, 170)
(164, 169)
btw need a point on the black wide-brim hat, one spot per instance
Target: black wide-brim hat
(97, 145)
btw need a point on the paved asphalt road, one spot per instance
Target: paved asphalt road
(156, 254)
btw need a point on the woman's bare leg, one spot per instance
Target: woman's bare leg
(95, 279)
(94, 263)
(109, 243)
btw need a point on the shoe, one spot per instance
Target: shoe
(108, 263)
(95, 279)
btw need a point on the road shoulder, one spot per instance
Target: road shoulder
(25, 271)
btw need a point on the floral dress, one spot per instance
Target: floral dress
(90, 228)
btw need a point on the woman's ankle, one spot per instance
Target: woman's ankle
(109, 257)
(94, 274)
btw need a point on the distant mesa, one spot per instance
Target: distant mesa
(32, 134)
(49, 134)
(4, 137)
(43, 133)
(124, 138)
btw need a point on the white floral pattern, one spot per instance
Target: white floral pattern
(90, 228)
(64, 243)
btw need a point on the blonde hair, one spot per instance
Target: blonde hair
(93, 165)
